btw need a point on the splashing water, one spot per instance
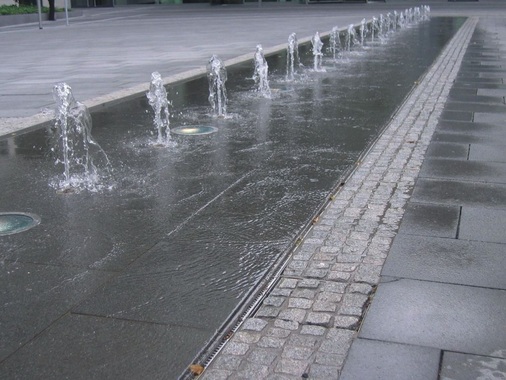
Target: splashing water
(334, 42)
(395, 21)
(74, 146)
(351, 37)
(363, 31)
(292, 53)
(261, 73)
(217, 76)
(402, 20)
(382, 28)
(374, 28)
(425, 13)
(388, 22)
(317, 44)
(157, 97)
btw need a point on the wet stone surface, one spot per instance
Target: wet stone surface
(337, 266)
(179, 230)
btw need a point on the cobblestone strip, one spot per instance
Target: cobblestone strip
(306, 325)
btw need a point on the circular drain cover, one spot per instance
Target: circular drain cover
(14, 222)
(194, 130)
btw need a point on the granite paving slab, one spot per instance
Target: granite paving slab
(462, 92)
(489, 86)
(151, 298)
(90, 347)
(482, 152)
(448, 150)
(491, 92)
(430, 220)
(455, 261)
(456, 115)
(26, 290)
(459, 193)
(489, 134)
(450, 317)
(393, 361)
(476, 107)
(482, 171)
(458, 366)
(483, 224)
(456, 97)
(493, 118)
(474, 78)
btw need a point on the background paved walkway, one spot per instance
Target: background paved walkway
(110, 53)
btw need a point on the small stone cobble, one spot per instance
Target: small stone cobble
(305, 327)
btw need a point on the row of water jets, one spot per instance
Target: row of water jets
(78, 152)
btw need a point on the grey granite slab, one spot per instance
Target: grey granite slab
(491, 92)
(459, 193)
(477, 79)
(162, 297)
(89, 347)
(453, 261)
(483, 66)
(492, 134)
(449, 317)
(447, 150)
(34, 296)
(477, 107)
(375, 360)
(483, 224)
(458, 366)
(462, 92)
(430, 220)
(476, 99)
(492, 118)
(476, 137)
(482, 152)
(456, 115)
(476, 86)
(498, 74)
(482, 171)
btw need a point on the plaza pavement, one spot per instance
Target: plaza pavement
(402, 276)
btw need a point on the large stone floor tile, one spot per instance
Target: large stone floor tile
(456, 115)
(477, 80)
(457, 366)
(447, 260)
(459, 193)
(478, 107)
(483, 224)
(160, 298)
(491, 92)
(447, 150)
(492, 118)
(87, 347)
(482, 152)
(481, 171)
(465, 99)
(376, 360)
(468, 132)
(430, 220)
(34, 296)
(450, 317)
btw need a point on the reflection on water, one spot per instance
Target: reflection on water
(191, 229)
